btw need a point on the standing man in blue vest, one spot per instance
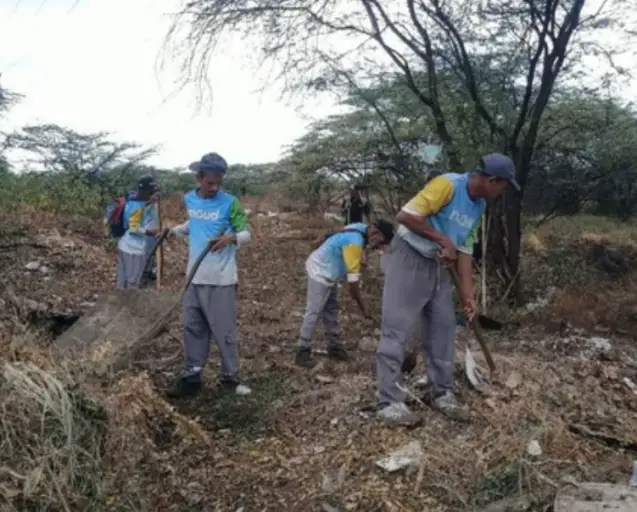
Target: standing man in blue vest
(132, 247)
(209, 307)
(151, 221)
(437, 229)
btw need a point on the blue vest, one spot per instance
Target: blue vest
(459, 216)
(456, 219)
(209, 218)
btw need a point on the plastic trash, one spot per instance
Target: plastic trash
(533, 448)
(406, 456)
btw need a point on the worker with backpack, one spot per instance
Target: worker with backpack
(130, 219)
(336, 256)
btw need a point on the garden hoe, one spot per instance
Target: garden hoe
(476, 379)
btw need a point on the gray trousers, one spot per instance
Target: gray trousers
(210, 311)
(130, 268)
(415, 286)
(322, 304)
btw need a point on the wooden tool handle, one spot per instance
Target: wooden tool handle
(475, 327)
(160, 254)
(196, 264)
(158, 242)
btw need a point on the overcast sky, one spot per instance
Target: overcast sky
(91, 65)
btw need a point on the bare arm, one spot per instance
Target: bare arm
(355, 292)
(180, 231)
(421, 227)
(353, 257)
(464, 266)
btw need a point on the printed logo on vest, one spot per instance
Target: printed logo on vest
(461, 218)
(204, 215)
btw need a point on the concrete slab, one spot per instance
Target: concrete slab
(115, 324)
(596, 497)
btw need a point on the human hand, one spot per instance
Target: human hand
(469, 307)
(221, 242)
(447, 253)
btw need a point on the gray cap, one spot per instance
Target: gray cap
(499, 166)
(211, 162)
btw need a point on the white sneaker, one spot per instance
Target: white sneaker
(447, 404)
(242, 390)
(398, 413)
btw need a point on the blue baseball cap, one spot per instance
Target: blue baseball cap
(500, 166)
(211, 162)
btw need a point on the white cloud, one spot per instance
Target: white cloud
(92, 66)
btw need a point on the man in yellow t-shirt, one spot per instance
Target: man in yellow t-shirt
(437, 229)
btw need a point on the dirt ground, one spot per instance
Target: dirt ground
(303, 440)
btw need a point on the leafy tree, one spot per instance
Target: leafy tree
(356, 148)
(585, 158)
(55, 149)
(7, 100)
(74, 170)
(251, 179)
(526, 44)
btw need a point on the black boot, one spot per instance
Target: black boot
(150, 276)
(304, 358)
(337, 353)
(186, 387)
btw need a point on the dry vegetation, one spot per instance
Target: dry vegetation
(71, 439)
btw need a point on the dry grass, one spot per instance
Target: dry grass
(50, 442)
(568, 255)
(589, 227)
(73, 440)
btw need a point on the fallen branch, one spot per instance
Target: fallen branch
(606, 439)
(15, 245)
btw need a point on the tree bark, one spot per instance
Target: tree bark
(504, 243)
(513, 215)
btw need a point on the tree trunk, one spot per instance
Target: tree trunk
(504, 245)
(513, 215)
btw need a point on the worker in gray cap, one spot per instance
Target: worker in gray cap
(437, 229)
(210, 302)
